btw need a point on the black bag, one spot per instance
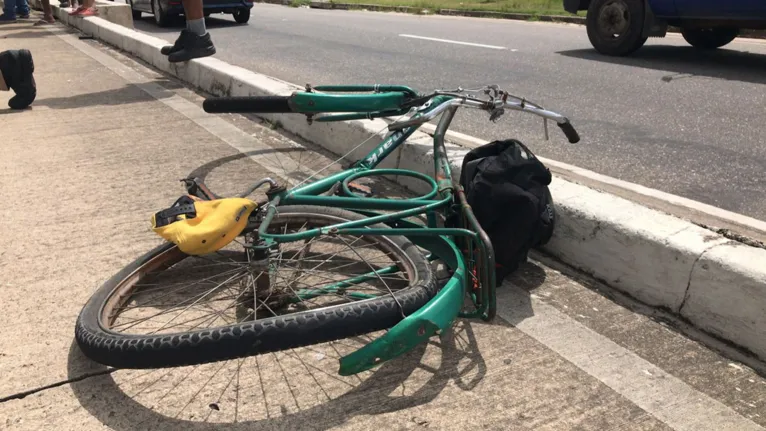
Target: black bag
(507, 188)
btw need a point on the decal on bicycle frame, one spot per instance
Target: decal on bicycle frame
(383, 149)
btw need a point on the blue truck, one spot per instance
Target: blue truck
(620, 27)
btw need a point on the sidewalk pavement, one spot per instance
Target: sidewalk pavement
(104, 146)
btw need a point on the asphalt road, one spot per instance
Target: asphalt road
(668, 118)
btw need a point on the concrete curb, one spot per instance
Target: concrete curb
(718, 285)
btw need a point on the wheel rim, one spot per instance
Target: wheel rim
(614, 19)
(192, 314)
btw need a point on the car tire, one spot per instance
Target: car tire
(615, 27)
(161, 17)
(242, 16)
(136, 13)
(709, 38)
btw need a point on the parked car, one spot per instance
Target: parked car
(620, 27)
(165, 10)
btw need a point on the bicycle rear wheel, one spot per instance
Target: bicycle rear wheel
(217, 307)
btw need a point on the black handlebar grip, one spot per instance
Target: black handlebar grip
(570, 132)
(247, 104)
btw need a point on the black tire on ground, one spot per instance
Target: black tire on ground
(615, 27)
(242, 16)
(709, 38)
(251, 338)
(161, 18)
(136, 13)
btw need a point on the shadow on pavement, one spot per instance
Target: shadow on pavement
(5, 110)
(521, 284)
(683, 62)
(204, 170)
(113, 401)
(26, 34)
(130, 93)
(103, 397)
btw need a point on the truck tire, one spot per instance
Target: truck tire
(615, 27)
(241, 16)
(709, 38)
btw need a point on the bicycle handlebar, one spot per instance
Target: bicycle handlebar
(560, 120)
(282, 104)
(570, 132)
(248, 104)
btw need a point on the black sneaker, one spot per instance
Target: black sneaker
(178, 44)
(6, 19)
(193, 47)
(18, 70)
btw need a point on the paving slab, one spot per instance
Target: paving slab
(84, 169)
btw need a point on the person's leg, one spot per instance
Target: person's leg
(9, 12)
(85, 9)
(194, 41)
(47, 13)
(76, 7)
(22, 8)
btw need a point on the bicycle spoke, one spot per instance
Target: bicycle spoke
(200, 297)
(382, 281)
(224, 288)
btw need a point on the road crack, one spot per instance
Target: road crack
(691, 274)
(24, 394)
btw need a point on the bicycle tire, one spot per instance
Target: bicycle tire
(250, 338)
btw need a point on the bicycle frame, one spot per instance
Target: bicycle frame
(461, 244)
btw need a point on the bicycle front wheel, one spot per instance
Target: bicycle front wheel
(170, 309)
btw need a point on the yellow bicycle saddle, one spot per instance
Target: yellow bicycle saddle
(198, 226)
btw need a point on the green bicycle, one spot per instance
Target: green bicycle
(319, 261)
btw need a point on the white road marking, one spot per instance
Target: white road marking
(457, 42)
(660, 394)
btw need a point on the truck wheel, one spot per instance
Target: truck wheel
(709, 38)
(161, 18)
(241, 16)
(136, 13)
(615, 27)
